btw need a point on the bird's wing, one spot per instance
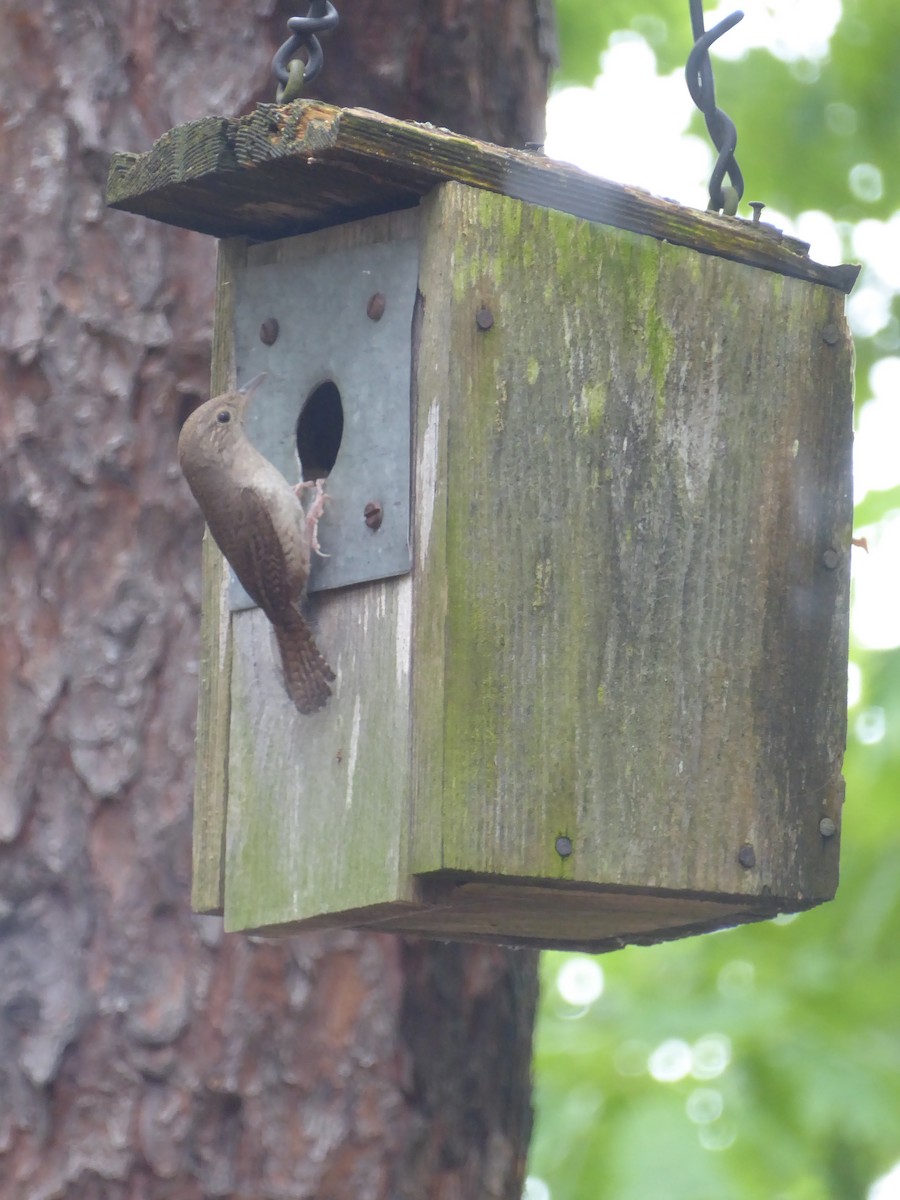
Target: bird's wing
(260, 565)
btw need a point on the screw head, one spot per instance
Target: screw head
(747, 856)
(830, 559)
(373, 514)
(563, 846)
(484, 318)
(827, 827)
(376, 306)
(268, 331)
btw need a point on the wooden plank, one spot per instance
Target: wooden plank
(564, 917)
(211, 778)
(286, 169)
(645, 479)
(543, 917)
(316, 804)
(432, 404)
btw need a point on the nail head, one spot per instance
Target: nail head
(827, 827)
(484, 318)
(831, 558)
(268, 331)
(373, 514)
(563, 846)
(747, 856)
(376, 306)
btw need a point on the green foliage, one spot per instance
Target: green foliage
(806, 1106)
(802, 126)
(810, 1096)
(585, 26)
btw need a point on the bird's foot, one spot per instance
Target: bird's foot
(316, 510)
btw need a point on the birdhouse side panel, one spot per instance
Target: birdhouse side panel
(647, 456)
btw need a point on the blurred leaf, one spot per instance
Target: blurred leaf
(585, 27)
(875, 506)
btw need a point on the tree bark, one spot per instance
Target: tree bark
(143, 1052)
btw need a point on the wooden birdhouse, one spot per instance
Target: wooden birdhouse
(587, 588)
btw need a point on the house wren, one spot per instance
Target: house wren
(257, 521)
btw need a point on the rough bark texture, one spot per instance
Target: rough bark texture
(143, 1053)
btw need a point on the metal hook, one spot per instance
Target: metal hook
(722, 130)
(292, 75)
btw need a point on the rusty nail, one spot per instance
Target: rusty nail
(374, 515)
(747, 856)
(757, 206)
(831, 558)
(376, 306)
(827, 827)
(268, 331)
(484, 318)
(563, 847)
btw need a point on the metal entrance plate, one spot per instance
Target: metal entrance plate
(325, 334)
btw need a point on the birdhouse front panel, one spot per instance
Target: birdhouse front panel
(317, 808)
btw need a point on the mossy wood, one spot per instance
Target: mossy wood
(288, 169)
(626, 623)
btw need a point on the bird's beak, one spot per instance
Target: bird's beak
(247, 392)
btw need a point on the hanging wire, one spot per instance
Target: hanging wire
(292, 73)
(722, 129)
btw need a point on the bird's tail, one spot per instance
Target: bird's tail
(306, 673)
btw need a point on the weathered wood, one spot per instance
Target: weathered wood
(631, 635)
(211, 771)
(577, 918)
(286, 169)
(315, 805)
(626, 623)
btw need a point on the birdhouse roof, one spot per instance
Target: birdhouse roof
(289, 169)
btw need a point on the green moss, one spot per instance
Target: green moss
(543, 573)
(661, 348)
(587, 408)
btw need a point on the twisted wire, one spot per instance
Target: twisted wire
(722, 129)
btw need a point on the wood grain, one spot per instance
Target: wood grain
(287, 169)
(211, 777)
(643, 464)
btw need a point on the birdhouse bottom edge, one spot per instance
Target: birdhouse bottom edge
(454, 906)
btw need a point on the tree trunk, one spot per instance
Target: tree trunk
(144, 1053)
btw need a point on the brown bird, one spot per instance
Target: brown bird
(257, 521)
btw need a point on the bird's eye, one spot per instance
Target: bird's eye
(223, 416)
